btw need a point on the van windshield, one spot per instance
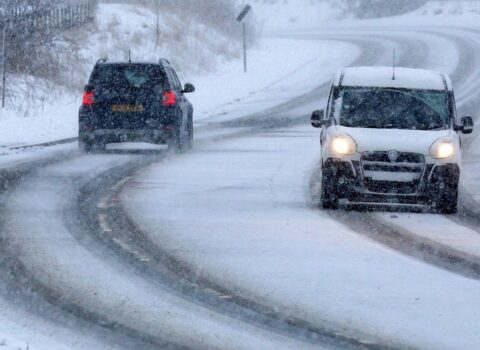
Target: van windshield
(392, 108)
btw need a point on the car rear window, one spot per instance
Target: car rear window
(130, 76)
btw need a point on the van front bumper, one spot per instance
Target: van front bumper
(354, 185)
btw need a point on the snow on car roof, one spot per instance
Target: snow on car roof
(408, 78)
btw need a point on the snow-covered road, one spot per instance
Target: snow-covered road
(243, 220)
(230, 227)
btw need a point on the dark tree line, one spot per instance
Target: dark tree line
(380, 8)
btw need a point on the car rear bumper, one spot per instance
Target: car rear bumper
(119, 135)
(355, 186)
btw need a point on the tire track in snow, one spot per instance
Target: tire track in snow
(118, 233)
(145, 255)
(271, 120)
(26, 284)
(29, 292)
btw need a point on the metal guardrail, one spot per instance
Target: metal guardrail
(50, 18)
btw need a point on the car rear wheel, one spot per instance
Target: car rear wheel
(176, 141)
(85, 146)
(91, 145)
(190, 133)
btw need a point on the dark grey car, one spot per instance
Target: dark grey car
(125, 101)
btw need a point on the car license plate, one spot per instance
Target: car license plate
(127, 108)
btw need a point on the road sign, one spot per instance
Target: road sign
(244, 13)
(240, 19)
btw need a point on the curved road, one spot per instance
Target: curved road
(70, 246)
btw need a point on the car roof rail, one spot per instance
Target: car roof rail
(101, 61)
(444, 79)
(164, 61)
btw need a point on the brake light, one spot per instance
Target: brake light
(169, 99)
(88, 98)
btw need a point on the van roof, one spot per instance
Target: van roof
(407, 78)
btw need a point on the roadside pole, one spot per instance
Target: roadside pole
(244, 47)
(157, 28)
(4, 55)
(241, 19)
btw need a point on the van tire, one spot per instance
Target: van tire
(329, 194)
(447, 203)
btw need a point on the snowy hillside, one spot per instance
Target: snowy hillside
(274, 15)
(41, 110)
(192, 46)
(209, 58)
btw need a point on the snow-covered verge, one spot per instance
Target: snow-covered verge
(280, 69)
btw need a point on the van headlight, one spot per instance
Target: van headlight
(343, 145)
(442, 149)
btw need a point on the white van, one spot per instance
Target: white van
(391, 137)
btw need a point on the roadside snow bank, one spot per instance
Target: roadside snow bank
(279, 69)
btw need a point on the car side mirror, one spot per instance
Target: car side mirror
(467, 124)
(317, 118)
(188, 88)
(88, 88)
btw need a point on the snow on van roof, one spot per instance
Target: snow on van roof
(408, 78)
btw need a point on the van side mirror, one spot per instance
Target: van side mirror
(317, 118)
(188, 88)
(88, 88)
(467, 124)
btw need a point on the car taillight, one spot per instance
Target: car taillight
(169, 99)
(88, 98)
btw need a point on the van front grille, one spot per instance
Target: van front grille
(392, 172)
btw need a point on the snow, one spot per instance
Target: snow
(435, 228)
(53, 119)
(60, 260)
(239, 209)
(279, 15)
(407, 78)
(279, 69)
(241, 217)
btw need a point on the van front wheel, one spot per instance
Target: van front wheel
(329, 195)
(447, 203)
